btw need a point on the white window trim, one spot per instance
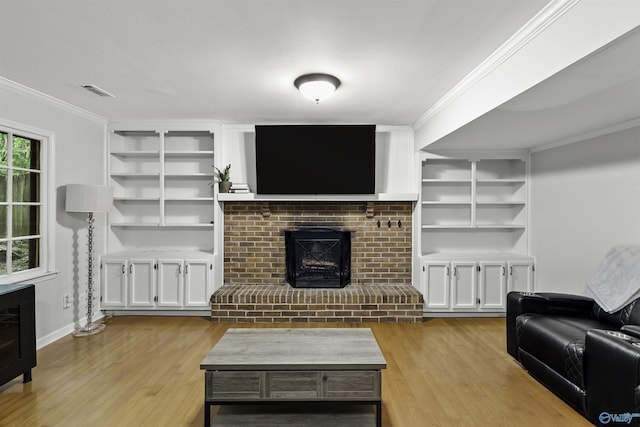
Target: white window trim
(48, 199)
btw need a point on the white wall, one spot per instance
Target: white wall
(585, 198)
(78, 158)
(395, 171)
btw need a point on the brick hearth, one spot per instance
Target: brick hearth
(284, 304)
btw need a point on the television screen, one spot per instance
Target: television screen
(315, 159)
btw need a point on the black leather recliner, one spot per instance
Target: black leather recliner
(589, 358)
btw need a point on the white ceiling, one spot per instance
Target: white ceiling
(235, 60)
(601, 91)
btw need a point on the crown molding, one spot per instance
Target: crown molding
(618, 127)
(48, 99)
(549, 14)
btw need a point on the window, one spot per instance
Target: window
(22, 203)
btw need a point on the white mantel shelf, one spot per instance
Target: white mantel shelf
(380, 197)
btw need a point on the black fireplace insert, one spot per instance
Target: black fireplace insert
(318, 257)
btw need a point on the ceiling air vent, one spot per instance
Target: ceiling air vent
(100, 92)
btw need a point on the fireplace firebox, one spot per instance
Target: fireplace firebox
(318, 257)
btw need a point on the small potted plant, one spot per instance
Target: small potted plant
(224, 176)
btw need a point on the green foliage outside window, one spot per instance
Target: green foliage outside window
(22, 150)
(25, 154)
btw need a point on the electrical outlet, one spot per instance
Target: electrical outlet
(66, 301)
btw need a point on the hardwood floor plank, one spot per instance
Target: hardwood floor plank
(144, 371)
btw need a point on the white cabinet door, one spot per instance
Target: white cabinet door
(142, 283)
(493, 286)
(197, 283)
(463, 285)
(436, 284)
(170, 282)
(520, 276)
(114, 279)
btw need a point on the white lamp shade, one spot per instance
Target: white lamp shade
(88, 198)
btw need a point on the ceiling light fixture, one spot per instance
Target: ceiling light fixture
(316, 86)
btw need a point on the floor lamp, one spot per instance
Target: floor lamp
(89, 199)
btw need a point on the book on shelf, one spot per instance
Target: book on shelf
(239, 188)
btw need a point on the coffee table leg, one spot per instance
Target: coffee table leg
(207, 414)
(379, 414)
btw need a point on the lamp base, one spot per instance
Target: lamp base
(89, 329)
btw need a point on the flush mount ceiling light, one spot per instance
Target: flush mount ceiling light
(316, 86)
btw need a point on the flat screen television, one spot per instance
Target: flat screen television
(315, 159)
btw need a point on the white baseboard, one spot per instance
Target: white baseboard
(192, 313)
(433, 314)
(63, 332)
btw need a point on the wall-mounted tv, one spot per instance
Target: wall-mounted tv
(316, 159)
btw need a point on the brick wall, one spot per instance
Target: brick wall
(254, 239)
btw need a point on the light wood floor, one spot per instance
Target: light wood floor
(144, 371)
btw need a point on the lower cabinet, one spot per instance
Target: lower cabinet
(161, 281)
(473, 285)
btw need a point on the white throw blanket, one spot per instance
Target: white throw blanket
(617, 280)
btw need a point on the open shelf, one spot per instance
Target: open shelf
(500, 169)
(141, 154)
(475, 240)
(160, 181)
(188, 199)
(189, 175)
(447, 181)
(448, 170)
(513, 203)
(136, 199)
(134, 175)
(474, 204)
(178, 153)
(446, 203)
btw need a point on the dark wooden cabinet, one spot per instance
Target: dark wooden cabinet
(17, 332)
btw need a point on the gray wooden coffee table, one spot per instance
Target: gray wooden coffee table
(277, 366)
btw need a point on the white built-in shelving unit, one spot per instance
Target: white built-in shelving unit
(473, 230)
(161, 178)
(164, 208)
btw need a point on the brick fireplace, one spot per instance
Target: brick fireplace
(254, 246)
(255, 288)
